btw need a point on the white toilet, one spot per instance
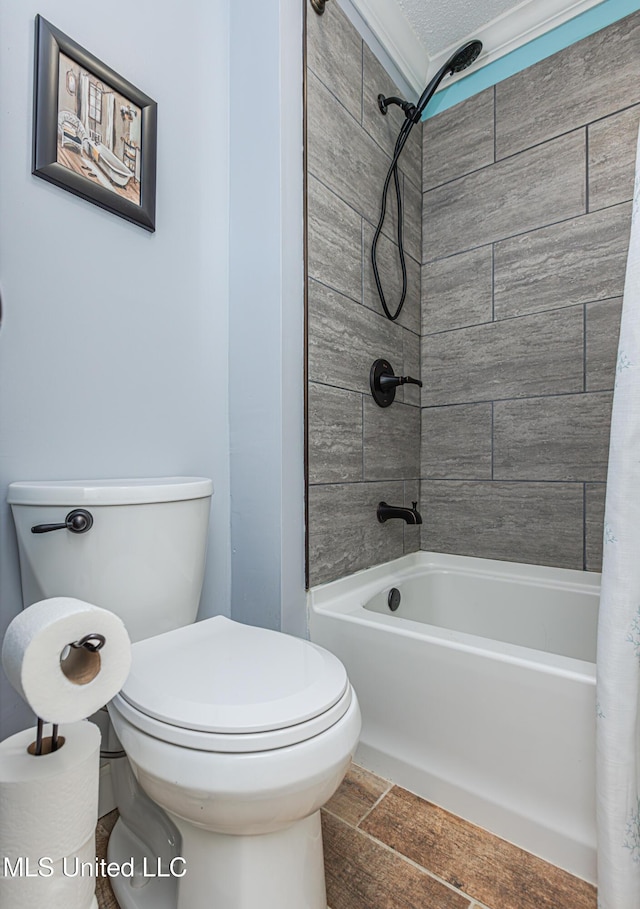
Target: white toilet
(237, 733)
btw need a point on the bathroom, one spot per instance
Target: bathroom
(160, 368)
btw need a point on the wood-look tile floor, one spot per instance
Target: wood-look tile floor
(386, 848)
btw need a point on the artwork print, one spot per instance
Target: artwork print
(94, 132)
(99, 131)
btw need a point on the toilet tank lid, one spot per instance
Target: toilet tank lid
(139, 491)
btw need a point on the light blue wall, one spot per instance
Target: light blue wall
(586, 23)
(114, 347)
(266, 316)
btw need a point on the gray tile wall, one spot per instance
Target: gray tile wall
(359, 454)
(526, 216)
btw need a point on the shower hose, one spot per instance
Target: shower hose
(403, 135)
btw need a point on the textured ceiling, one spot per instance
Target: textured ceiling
(420, 35)
(439, 24)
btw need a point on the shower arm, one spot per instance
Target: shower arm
(413, 112)
(408, 108)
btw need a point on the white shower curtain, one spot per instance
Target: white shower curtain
(618, 660)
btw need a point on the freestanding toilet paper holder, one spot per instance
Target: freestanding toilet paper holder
(46, 745)
(56, 741)
(88, 642)
(91, 642)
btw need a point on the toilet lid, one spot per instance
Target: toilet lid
(220, 676)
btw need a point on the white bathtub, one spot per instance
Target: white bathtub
(478, 693)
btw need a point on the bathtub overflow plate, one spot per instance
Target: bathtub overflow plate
(394, 599)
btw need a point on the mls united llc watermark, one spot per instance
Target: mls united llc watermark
(71, 866)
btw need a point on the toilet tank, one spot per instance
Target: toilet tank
(143, 556)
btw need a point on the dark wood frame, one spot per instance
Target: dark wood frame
(50, 42)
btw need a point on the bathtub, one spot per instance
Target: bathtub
(478, 691)
(117, 172)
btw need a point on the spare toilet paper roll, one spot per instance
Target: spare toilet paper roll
(49, 803)
(57, 886)
(63, 684)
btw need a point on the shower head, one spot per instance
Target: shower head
(463, 57)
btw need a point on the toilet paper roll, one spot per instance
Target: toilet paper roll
(53, 885)
(48, 803)
(60, 683)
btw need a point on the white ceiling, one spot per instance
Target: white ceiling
(420, 35)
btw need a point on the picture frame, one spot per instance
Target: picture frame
(95, 134)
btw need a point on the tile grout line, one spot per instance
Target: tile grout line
(334, 96)
(584, 527)
(509, 157)
(584, 347)
(362, 127)
(493, 282)
(361, 301)
(375, 312)
(495, 124)
(492, 439)
(363, 468)
(586, 169)
(522, 315)
(523, 397)
(362, 43)
(525, 148)
(377, 482)
(410, 861)
(358, 122)
(359, 391)
(335, 290)
(375, 804)
(404, 526)
(520, 233)
(385, 232)
(476, 480)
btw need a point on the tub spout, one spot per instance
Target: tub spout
(409, 515)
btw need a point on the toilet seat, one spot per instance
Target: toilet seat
(218, 685)
(239, 743)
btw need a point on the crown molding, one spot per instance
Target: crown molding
(389, 24)
(518, 26)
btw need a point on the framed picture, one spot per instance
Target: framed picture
(94, 132)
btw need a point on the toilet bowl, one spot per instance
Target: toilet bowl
(240, 735)
(235, 735)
